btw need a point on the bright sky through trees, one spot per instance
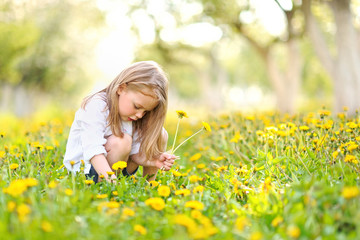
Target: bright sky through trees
(115, 50)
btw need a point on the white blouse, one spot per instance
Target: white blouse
(89, 132)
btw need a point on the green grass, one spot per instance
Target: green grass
(263, 178)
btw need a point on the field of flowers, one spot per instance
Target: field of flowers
(260, 176)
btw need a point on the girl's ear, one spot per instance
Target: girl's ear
(121, 88)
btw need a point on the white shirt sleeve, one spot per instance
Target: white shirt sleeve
(92, 122)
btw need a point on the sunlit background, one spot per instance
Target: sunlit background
(245, 55)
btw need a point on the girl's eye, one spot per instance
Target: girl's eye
(136, 107)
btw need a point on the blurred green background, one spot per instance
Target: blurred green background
(220, 56)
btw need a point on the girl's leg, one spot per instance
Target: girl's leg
(118, 149)
(131, 166)
(150, 172)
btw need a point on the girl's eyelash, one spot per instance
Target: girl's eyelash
(136, 107)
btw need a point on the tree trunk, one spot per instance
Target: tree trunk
(347, 67)
(344, 68)
(17, 100)
(286, 84)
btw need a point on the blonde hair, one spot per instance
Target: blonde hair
(137, 77)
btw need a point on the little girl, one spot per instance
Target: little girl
(123, 122)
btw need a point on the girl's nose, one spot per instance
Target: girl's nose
(139, 115)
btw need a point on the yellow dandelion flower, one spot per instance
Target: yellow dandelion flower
(350, 192)
(194, 205)
(127, 212)
(352, 147)
(112, 207)
(112, 204)
(89, 182)
(293, 231)
(49, 148)
(260, 133)
(335, 154)
(241, 223)
(181, 114)
(110, 173)
(194, 178)
(276, 221)
(172, 185)
(156, 203)
(183, 220)
(119, 165)
(153, 183)
(140, 229)
(176, 173)
(351, 125)
(30, 182)
(304, 128)
(266, 186)
(164, 191)
(11, 205)
(101, 196)
(206, 126)
(219, 158)
(200, 166)
(46, 226)
(198, 189)
(52, 184)
(14, 166)
(184, 192)
(72, 163)
(195, 157)
(250, 117)
(324, 112)
(236, 138)
(350, 158)
(271, 129)
(196, 214)
(69, 192)
(2, 154)
(222, 168)
(23, 210)
(133, 178)
(256, 236)
(16, 188)
(115, 193)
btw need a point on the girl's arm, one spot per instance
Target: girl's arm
(102, 167)
(141, 160)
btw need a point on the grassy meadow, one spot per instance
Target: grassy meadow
(253, 176)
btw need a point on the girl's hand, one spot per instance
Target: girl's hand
(165, 161)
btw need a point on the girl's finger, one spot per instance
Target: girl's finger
(168, 164)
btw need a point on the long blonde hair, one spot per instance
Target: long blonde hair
(138, 76)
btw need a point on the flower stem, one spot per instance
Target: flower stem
(187, 140)
(177, 128)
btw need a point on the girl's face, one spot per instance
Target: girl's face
(133, 104)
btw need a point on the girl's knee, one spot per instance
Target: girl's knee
(119, 144)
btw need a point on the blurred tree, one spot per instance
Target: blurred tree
(44, 50)
(284, 76)
(195, 71)
(341, 55)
